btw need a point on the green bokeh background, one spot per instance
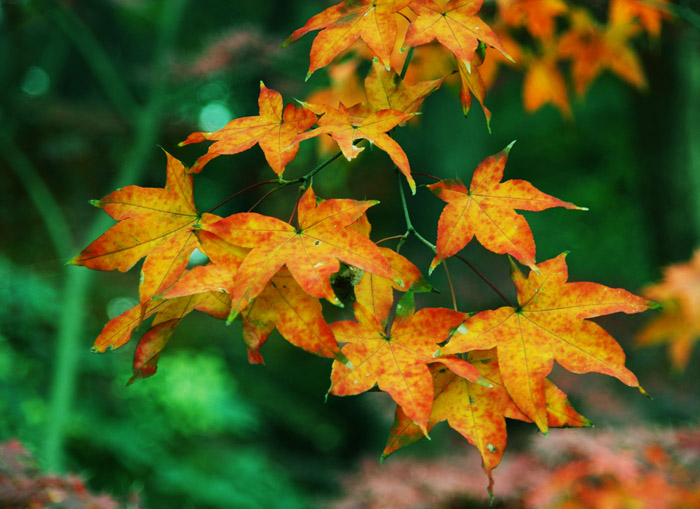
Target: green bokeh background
(91, 89)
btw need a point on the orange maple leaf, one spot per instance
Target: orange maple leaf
(153, 222)
(679, 322)
(375, 293)
(478, 412)
(544, 84)
(473, 83)
(396, 360)
(538, 16)
(282, 304)
(344, 23)
(454, 24)
(486, 210)
(275, 130)
(649, 13)
(549, 324)
(385, 90)
(310, 252)
(593, 49)
(346, 125)
(168, 314)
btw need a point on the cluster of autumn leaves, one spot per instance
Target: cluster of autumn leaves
(436, 364)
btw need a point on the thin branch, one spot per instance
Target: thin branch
(391, 238)
(426, 175)
(296, 204)
(478, 273)
(313, 172)
(449, 282)
(238, 193)
(266, 196)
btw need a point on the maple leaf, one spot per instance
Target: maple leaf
(344, 23)
(153, 222)
(375, 293)
(486, 210)
(310, 252)
(478, 412)
(396, 360)
(679, 323)
(168, 314)
(550, 324)
(473, 83)
(593, 49)
(282, 304)
(275, 130)
(345, 126)
(543, 84)
(649, 13)
(385, 90)
(454, 24)
(538, 16)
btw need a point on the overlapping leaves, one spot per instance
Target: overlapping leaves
(437, 364)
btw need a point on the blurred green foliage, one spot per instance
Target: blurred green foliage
(84, 83)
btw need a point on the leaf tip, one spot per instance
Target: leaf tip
(645, 393)
(95, 203)
(340, 357)
(436, 261)
(653, 305)
(510, 146)
(308, 75)
(484, 382)
(232, 316)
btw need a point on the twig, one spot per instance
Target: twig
(238, 193)
(478, 273)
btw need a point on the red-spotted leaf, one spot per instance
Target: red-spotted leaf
(282, 304)
(153, 222)
(344, 23)
(550, 324)
(486, 210)
(376, 293)
(454, 24)
(275, 130)
(386, 91)
(345, 127)
(311, 252)
(395, 360)
(478, 412)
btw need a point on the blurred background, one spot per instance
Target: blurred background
(91, 90)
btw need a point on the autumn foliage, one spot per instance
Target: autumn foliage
(471, 370)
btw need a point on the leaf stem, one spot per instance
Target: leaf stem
(313, 172)
(478, 273)
(238, 193)
(391, 238)
(409, 225)
(266, 196)
(425, 175)
(406, 63)
(449, 282)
